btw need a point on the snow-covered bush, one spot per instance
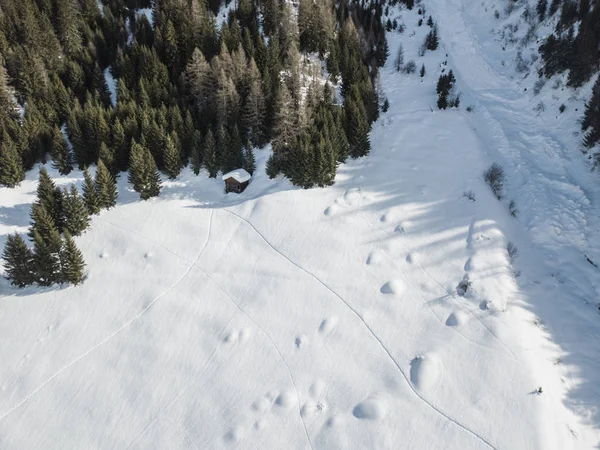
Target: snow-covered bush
(512, 208)
(494, 177)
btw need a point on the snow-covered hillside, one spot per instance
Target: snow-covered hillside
(332, 318)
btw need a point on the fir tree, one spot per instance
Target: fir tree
(11, 165)
(61, 153)
(172, 159)
(41, 221)
(542, 6)
(76, 214)
(90, 197)
(107, 157)
(422, 72)
(46, 258)
(143, 173)
(210, 155)
(46, 194)
(430, 22)
(196, 156)
(105, 186)
(18, 261)
(72, 264)
(399, 61)
(233, 157)
(249, 160)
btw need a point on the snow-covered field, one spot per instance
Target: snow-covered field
(330, 318)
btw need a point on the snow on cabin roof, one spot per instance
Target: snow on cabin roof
(239, 175)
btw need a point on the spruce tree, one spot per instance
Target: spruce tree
(234, 156)
(11, 165)
(46, 258)
(76, 215)
(249, 159)
(107, 157)
(143, 174)
(210, 155)
(72, 263)
(196, 155)
(18, 261)
(46, 194)
(422, 72)
(172, 159)
(542, 6)
(61, 153)
(90, 198)
(105, 186)
(41, 222)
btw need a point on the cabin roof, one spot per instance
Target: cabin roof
(239, 175)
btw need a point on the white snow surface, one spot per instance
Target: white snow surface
(239, 175)
(330, 318)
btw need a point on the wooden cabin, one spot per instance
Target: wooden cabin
(236, 181)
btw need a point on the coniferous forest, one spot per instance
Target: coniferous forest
(188, 91)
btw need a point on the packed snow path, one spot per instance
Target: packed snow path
(326, 318)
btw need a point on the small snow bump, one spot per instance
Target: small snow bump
(373, 408)
(286, 399)
(375, 258)
(327, 325)
(301, 341)
(425, 372)
(393, 287)
(456, 319)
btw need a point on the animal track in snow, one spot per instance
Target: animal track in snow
(393, 287)
(312, 407)
(425, 372)
(372, 408)
(235, 336)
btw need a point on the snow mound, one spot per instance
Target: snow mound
(393, 287)
(425, 372)
(456, 319)
(287, 398)
(375, 258)
(373, 408)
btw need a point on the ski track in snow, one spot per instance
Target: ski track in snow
(111, 336)
(371, 332)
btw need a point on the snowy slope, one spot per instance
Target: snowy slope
(329, 318)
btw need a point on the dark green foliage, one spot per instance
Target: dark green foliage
(385, 106)
(197, 152)
(422, 71)
(211, 161)
(430, 22)
(41, 221)
(591, 117)
(172, 158)
(75, 212)
(233, 157)
(18, 261)
(249, 163)
(46, 258)
(143, 174)
(105, 186)
(541, 7)
(432, 40)
(63, 160)
(443, 90)
(71, 261)
(90, 197)
(11, 165)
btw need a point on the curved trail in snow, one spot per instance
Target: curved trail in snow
(371, 332)
(112, 335)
